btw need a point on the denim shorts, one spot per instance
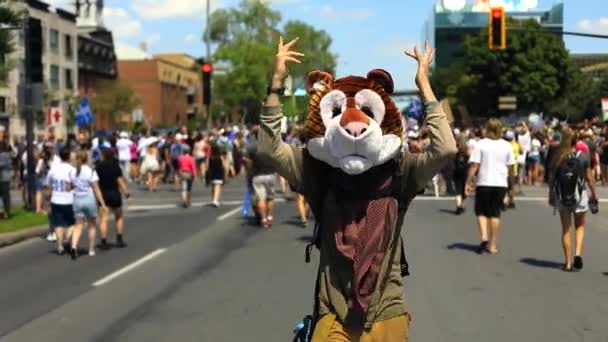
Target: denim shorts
(85, 207)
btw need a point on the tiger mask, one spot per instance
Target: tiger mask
(353, 123)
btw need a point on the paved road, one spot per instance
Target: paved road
(208, 276)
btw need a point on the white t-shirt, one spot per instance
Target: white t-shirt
(494, 158)
(525, 141)
(59, 180)
(83, 182)
(471, 143)
(124, 149)
(535, 147)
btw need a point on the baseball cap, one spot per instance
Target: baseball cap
(509, 135)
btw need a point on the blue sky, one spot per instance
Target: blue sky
(367, 34)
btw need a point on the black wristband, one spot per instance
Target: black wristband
(278, 91)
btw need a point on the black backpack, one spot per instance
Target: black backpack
(461, 162)
(569, 181)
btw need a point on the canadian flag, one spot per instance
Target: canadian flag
(53, 116)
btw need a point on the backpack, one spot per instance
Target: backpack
(461, 162)
(304, 330)
(569, 181)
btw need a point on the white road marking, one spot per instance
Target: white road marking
(230, 213)
(174, 205)
(129, 267)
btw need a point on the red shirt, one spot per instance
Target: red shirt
(186, 164)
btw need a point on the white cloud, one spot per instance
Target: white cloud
(120, 22)
(328, 12)
(63, 4)
(152, 39)
(158, 9)
(124, 51)
(599, 26)
(191, 38)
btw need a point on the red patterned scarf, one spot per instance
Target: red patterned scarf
(366, 217)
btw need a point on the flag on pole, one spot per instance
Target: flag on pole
(84, 114)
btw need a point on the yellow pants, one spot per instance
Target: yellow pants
(396, 329)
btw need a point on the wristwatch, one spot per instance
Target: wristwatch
(278, 91)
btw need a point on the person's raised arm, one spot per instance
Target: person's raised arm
(284, 159)
(443, 146)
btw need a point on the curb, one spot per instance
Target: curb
(8, 239)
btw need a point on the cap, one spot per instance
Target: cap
(124, 135)
(509, 135)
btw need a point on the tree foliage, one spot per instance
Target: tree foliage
(535, 68)
(114, 99)
(8, 17)
(246, 37)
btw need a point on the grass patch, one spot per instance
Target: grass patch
(22, 219)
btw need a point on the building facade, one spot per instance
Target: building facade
(60, 65)
(593, 64)
(448, 27)
(96, 54)
(169, 86)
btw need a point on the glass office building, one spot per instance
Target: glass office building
(447, 29)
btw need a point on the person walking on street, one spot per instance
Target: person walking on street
(199, 155)
(570, 176)
(216, 173)
(493, 159)
(59, 181)
(86, 197)
(461, 166)
(5, 177)
(263, 180)
(112, 185)
(512, 189)
(187, 173)
(123, 145)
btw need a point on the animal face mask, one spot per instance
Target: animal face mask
(353, 124)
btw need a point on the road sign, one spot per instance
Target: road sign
(507, 103)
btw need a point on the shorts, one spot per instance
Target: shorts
(581, 207)
(263, 186)
(199, 162)
(85, 207)
(62, 216)
(175, 164)
(39, 183)
(489, 201)
(187, 180)
(113, 199)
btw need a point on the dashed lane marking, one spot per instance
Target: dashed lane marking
(129, 267)
(230, 213)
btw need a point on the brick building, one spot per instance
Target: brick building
(169, 86)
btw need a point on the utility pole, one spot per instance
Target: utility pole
(207, 108)
(29, 119)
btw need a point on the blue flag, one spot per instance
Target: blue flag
(415, 109)
(84, 114)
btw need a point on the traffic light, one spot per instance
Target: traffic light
(207, 70)
(497, 29)
(34, 51)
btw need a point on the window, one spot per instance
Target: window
(54, 39)
(2, 104)
(54, 76)
(69, 82)
(69, 50)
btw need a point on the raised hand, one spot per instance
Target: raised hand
(284, 55)
(422, 76)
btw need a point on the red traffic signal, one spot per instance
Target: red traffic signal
(207, 68)
(497, 29)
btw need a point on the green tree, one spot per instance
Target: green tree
(8, 17)
(246, 37)
(531, 68)
(115, 100)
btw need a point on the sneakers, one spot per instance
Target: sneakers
(104, 245)
(74, 253)
(459, 210)
(51, 237)
(215, 204)
(120, 244)
(511, 205)
(92, 252)
(483, 247)
(578, 263)
(60, 250)
(265, 223)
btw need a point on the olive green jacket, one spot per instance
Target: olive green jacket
(307, 176)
